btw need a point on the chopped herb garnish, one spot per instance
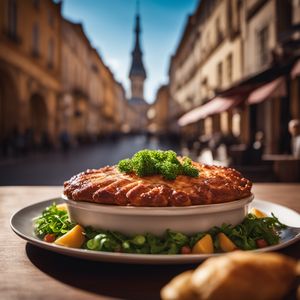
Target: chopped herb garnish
(152, 162)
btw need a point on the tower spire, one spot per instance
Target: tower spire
(137, 7)
(137, 73)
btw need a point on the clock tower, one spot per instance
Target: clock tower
(137, 73)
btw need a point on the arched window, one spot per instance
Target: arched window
(35, 39)
(12, 18)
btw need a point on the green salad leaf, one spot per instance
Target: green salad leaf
(52, 221)
(244, 235)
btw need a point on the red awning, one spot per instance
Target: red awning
(296, 70)
(214, 106)
(274, 88)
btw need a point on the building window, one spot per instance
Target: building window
(50, 53)
(219, 75)
(219, 34)
(35, 39)
(229, 68)
(263, 45)
(12, 18)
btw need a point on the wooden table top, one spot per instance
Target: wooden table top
(28, 272)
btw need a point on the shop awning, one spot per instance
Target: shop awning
(274, 88)
(214, 106)
(295, 70)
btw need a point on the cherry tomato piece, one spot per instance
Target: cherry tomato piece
(186, 250)
(261, 243)
(49, 237)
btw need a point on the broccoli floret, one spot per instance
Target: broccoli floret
(144, 163)
(190, 171)
(187, 161)
(151, 162)
(171, 156)
(125, 165)
(158, 155)
(169, 170)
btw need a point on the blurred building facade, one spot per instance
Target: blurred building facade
(232, 71)
(30, 66)
(76, 70)
(158, 113)
(52, 79)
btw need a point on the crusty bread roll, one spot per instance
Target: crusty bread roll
(179, 288)
(237, 275)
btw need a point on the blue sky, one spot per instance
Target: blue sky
(109, 26)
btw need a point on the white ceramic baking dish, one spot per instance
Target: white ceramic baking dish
(139, 220)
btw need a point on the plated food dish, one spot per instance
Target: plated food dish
(157, 190)
(157, 203)
(159, 179)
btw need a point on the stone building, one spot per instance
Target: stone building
(96, 91)
(230, 73)
(215, 60)
(128, 117)
(268, 26)
(158, 113)
(30, 59)
(91, 96)
(52, 80)
(77, 70)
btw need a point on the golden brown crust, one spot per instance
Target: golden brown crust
(109, 186)
(237, 275)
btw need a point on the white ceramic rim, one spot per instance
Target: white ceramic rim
(168, 210)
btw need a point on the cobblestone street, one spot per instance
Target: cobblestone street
(55, 167)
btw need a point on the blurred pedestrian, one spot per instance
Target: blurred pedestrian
(258, 146)
(29, 142)
(46, 144)
(65, 141)
(294, 129)
(7, 145)
(18, 141)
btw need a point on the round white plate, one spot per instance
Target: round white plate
(22, 224)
